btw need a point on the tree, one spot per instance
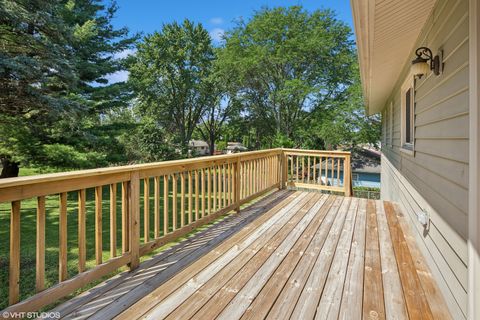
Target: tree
(54, 60)
(170, 78)
(222, 105)
(288, 62)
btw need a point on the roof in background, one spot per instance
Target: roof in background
(386, 31)
(197, 143)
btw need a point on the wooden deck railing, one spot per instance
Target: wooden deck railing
(146, 206)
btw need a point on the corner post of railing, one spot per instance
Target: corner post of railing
(236, 184)
(134, 219)
(283, 168)
(347, 173)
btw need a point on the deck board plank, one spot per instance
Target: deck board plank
(415, 299)
(394, 299)
(352, 298)
(329, 305)
(373, 304)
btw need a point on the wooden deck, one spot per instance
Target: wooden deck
(298, 255)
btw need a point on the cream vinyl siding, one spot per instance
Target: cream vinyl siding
(435, 177)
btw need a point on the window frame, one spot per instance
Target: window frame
(407, 147)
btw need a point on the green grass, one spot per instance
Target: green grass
(28, 236)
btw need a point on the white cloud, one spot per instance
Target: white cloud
(124, 53)
(118, 76)
(216, 21)
(217, 34)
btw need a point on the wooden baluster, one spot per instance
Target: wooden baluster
(146, 210)
(125, 218)
(338, 172)
(332, 169)
(224, 186)
(214, 188)
(291, 169)
(297, 168)
(308, 170)
(113, 220)
(40, 256)
(98, 225)
(197, 194)
(165, 204)
(320, 172)
(190, 209)
(241, 183)
(134, 223)
(182, 199)
(156, 208)
(174, 201)
(347, 174)
(14, 266)
(231, 174)
(255, 176)
(62, 246)
(219, 195)
(209, 192)
(203, 192)
(314, 170)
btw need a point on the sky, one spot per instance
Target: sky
(217, 16)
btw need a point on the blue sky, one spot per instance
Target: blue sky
(217, 16)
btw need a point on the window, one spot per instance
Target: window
(408, 116)
(355, 176)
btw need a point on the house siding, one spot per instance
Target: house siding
(435, 178)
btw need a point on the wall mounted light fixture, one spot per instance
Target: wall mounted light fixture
(421, 65)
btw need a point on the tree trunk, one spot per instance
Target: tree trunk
(9, 168)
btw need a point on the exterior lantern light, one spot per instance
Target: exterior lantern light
(426, 61)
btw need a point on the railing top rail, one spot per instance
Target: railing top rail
(53, 177)
(333, 152)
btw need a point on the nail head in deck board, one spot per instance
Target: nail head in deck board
(373, 303)
(415, 300)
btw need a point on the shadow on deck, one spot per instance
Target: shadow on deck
(293, 254)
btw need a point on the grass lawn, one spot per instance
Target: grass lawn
(28, 236)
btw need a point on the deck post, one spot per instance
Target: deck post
(134, 219)
(347, 174)
(236, 184)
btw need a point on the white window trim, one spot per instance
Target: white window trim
(384, 128)
(408, 148)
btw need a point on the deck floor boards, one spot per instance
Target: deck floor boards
(294, 254)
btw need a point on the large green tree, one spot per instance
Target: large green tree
(170, 78)
(297, 78)
(55, 57)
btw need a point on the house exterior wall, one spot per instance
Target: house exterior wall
(434, 179)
